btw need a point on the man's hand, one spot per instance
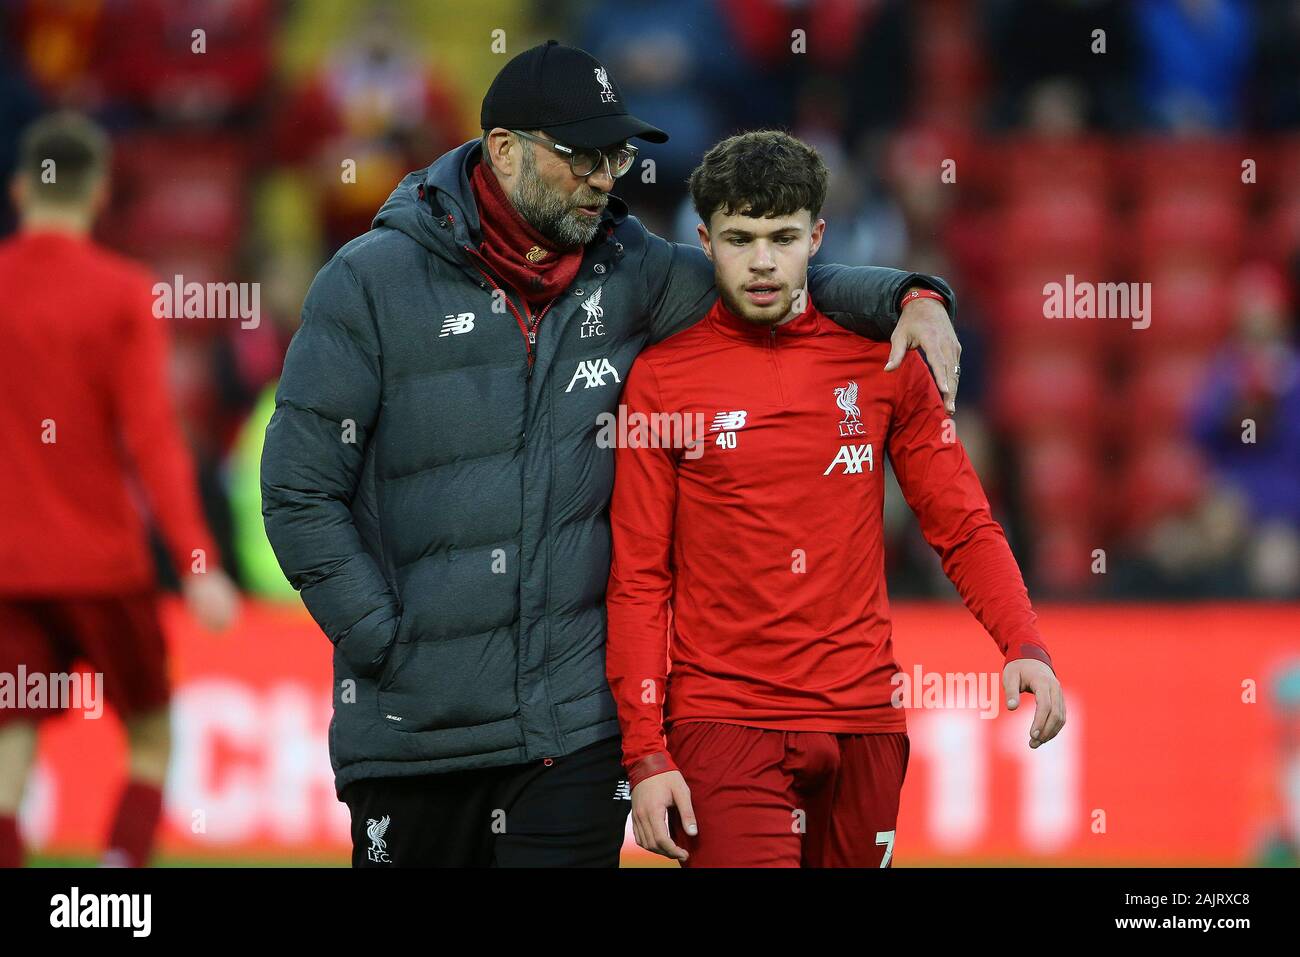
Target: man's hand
(651, 800)
(211, 598)
(924, 324)
(1033, 676)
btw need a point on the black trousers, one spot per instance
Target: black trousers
(571, 812)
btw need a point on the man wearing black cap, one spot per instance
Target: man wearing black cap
(434, 483)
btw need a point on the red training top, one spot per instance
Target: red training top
(83, 371)
(766, 538)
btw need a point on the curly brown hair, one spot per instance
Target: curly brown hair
(761, 173)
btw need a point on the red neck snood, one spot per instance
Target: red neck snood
(528, 261)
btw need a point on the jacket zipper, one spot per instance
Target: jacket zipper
(529, 329)
(776, 366)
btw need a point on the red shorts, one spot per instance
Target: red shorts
(789, 798)
(119, 636)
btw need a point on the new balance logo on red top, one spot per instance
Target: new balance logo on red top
(728, 421)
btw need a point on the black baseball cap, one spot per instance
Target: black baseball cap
(565, 93)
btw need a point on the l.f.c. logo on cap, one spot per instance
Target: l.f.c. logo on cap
(607, 91)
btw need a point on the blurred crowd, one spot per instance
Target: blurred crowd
(1002, 144)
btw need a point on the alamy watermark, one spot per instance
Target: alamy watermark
(653, 430)
(208, 300)
(981, 691)
(133, 912)
(61, 690)
(1098, 300)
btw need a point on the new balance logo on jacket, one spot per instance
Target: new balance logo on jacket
(456, 325)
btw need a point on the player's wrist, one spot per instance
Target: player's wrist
(917, 293)
(660, 762)
(1032, 650)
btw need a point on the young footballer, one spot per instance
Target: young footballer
(89, 432)
(772, 675)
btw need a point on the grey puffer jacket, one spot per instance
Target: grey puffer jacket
(442, 510)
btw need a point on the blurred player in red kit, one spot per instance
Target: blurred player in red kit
(88, 428)
(774, 679)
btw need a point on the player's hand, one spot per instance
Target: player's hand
(1033, 676)
(924, 324)
(651, 800)
(211, 598)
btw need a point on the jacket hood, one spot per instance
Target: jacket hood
(422, 200)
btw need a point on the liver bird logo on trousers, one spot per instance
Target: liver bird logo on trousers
(375, 830)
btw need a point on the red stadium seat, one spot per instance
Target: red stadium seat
(1062, 549)
(1044, 392)
(1278, 239)
(1059, 473)
(1033, 167)
(1157, 395)
(1167, 165)
(1190, 308)
(1164, 476)
(202, 175)
(1018, 318)
(1067, 231)
(1276, 168)
(921, 150)
(1206, 227)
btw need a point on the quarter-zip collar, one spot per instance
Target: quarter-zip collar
(807, 323)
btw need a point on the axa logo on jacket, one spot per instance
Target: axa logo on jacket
(592, 372)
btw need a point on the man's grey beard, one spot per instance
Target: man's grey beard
(550, 212)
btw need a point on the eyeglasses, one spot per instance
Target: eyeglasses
(584, 162)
